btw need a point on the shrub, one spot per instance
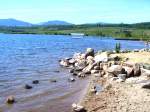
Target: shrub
(118, 47)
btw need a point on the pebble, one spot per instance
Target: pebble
(28, 86)
(10, 100)
(35, 82)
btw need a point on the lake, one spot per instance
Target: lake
(24, 58)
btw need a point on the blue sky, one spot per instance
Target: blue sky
(77, 11)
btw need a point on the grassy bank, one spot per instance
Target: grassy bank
(117, 31)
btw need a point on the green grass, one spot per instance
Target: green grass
(116, 32)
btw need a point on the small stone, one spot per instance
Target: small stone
(71, 79)
(93, 91)
(35, 82)
(74, 73)
(53, 80)
(10, 100)
(56, 71)
(78, 108)
(71, 71)
(146, 86)
(64, 63)
(81, 74)
(27, 86)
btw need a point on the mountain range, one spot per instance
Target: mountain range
(14, 22)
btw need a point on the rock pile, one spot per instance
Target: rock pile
(100, 65)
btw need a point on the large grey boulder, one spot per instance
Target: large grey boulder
(103, 57)
(116, 70)
(129, 71)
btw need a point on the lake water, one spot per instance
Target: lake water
(24, 58)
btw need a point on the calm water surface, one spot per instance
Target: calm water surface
(24, 58)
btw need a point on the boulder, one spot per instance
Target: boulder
(78, 108)
(137, 70)
(129, 71)
(10, 100)
(103, 57)
(89, 52)
(116, 70)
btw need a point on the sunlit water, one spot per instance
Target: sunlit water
(24, 58)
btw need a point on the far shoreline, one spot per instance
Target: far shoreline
(94, 36)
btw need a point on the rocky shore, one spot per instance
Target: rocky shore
(119, 82)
